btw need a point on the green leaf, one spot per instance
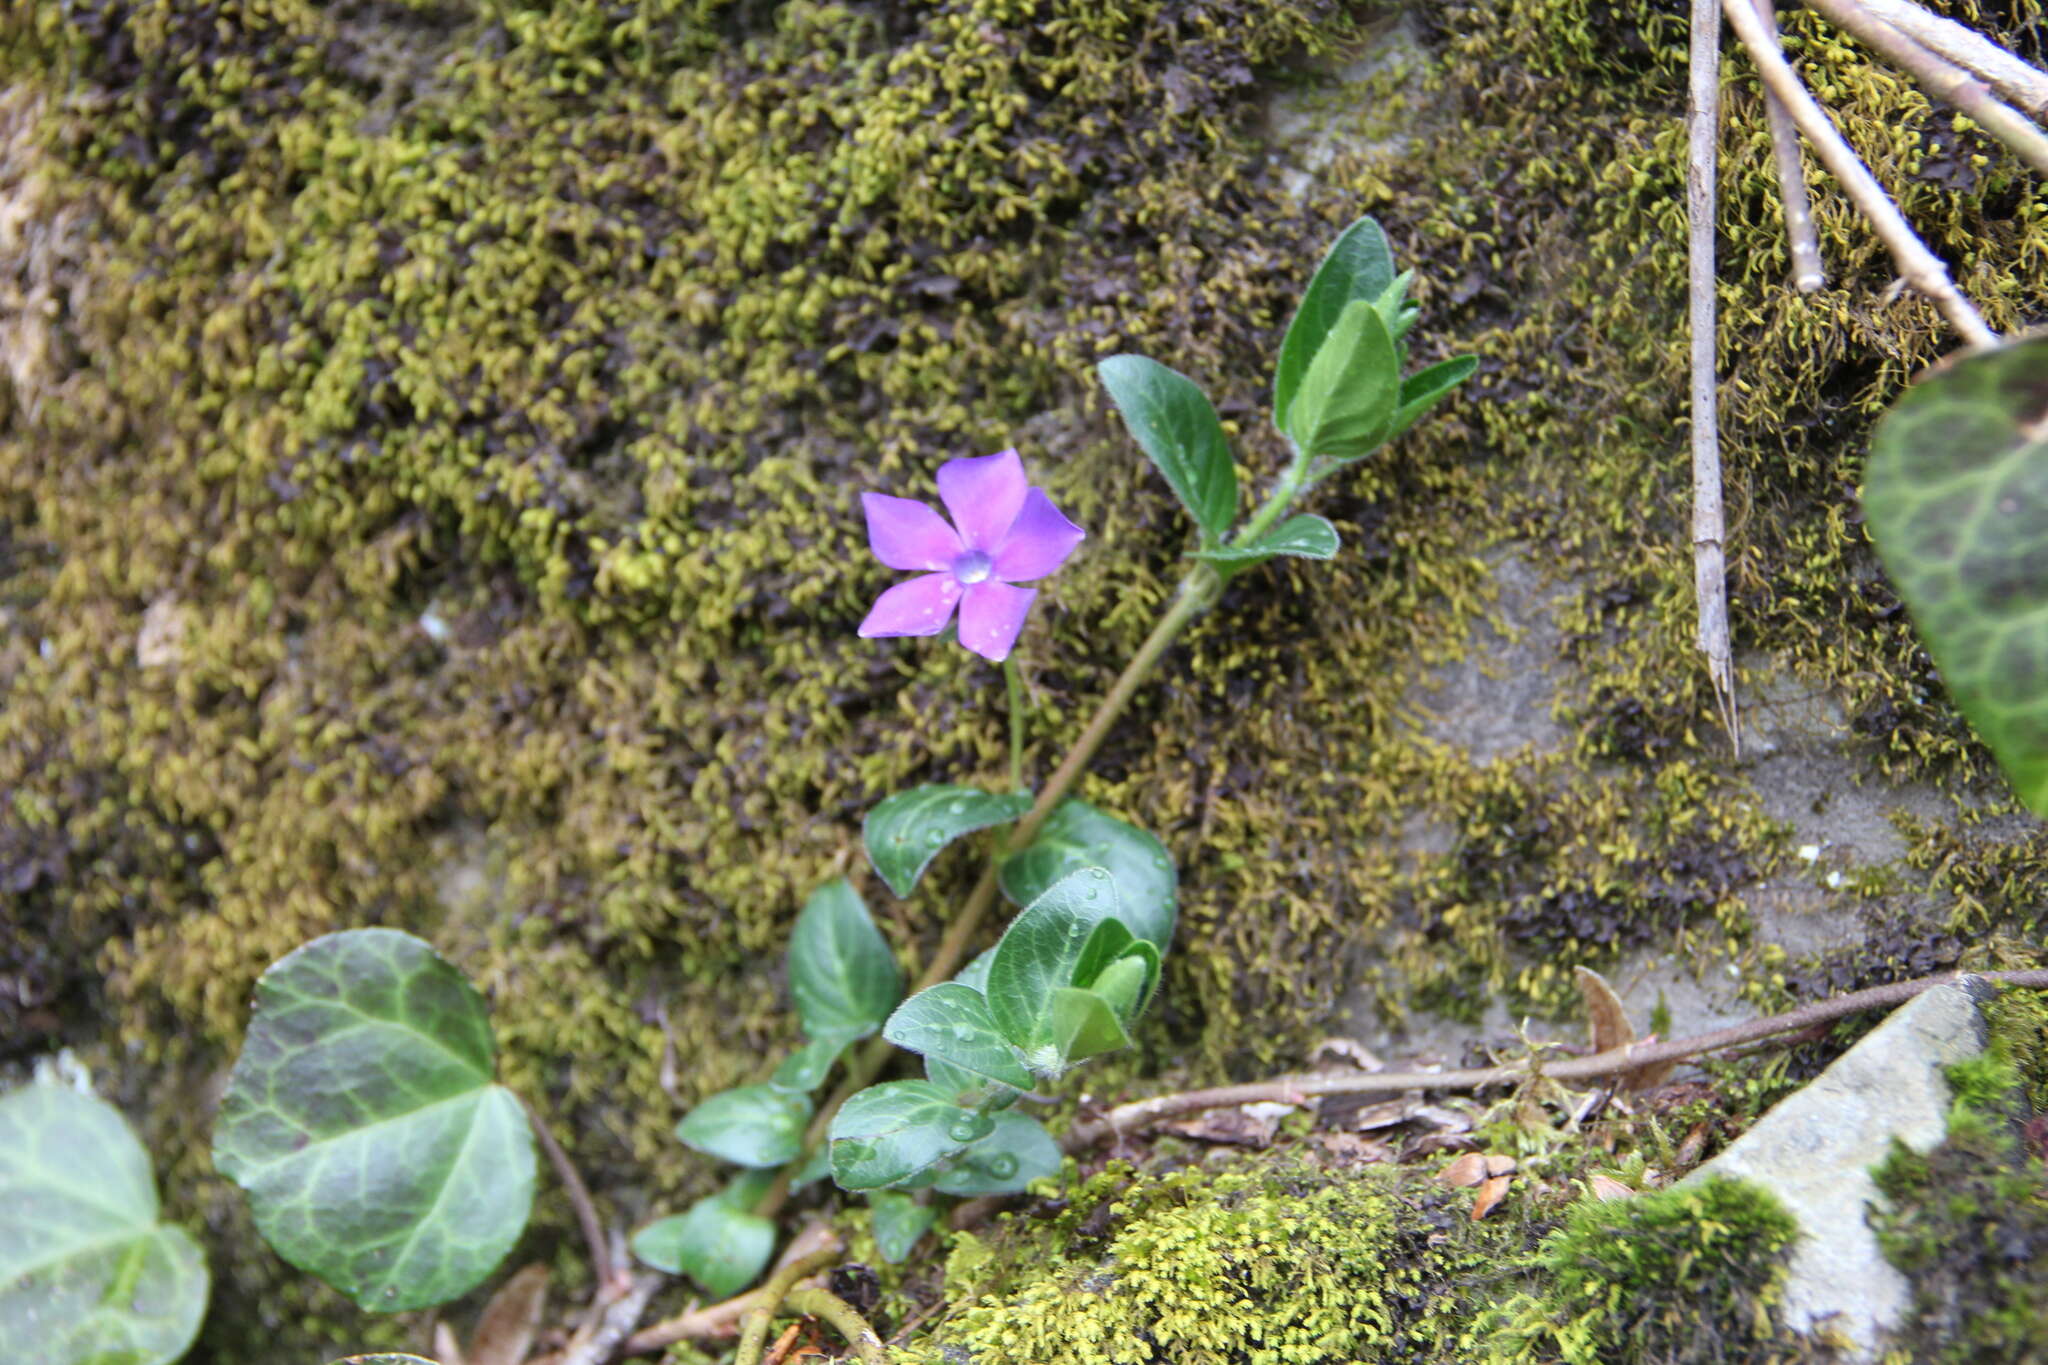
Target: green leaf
(1956, 497)
(906, 831)
(816, 1167)
(1018, 1152)
(947, 1077)
(1084, 1025)
(1177, 428)
(891, 1133)
(841, 971)
(1038, 956)
(362, 1120)
(723, 1247)
(87, 1273)
(1359, 265)
(1306, 535)
(1347, 398)
(1424, 389)
(898, 1221)
(951, 1022)
(806, 1069)
(1127, 983)
(754, 1125)
(1077, 835)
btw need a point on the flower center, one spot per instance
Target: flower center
(972, 567)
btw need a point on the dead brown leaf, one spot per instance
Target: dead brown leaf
(446, 1346)
(1385, 1114)
(1605, 1187)
(504, 1334)
(1500, 1165)
(1233, 1126)
(1610, 1028)
(1490, 1194)
(1349, 1149)
(1464, 1172)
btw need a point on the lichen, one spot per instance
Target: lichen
(466, 401)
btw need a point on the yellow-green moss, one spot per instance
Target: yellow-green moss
(574, 329)
(1967, 1222)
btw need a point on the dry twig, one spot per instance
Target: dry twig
(1709, 554)
(1940, 78)
(1130, 1118)
(1920, 268)
(2025, 85)
(1808, 271)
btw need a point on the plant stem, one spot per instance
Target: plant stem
(1141, 1114)
(1921, 268)
(1197, 593)
(754, 1326)
(845, 1319)
(1016, 690)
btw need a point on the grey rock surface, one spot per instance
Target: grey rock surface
(1814, 1151)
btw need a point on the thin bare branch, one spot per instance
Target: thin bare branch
(1139, 1115)
(610, 1279)
(2026, 86)
(1940, 78)
(1808, 271)
(845, 1319)
(1920, 268)
(1709, 553)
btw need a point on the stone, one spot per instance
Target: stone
(1814, 1152)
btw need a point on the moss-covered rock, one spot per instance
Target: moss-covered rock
(428, 448)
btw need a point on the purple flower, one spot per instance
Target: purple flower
(1009, 532)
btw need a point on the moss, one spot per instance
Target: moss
(468, 400)
(1260, 1261)
(1678, 1275)
(1968, 1221)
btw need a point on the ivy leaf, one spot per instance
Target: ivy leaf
(806, 1069)
(892, 1133)
(720, 1244)
(905, 832)
(753, 1125)
(1305, 535)
(1348, 396)
(841, 971)
(87, 1273)
(1077, 835)
(1038, 956)
(1018, 1152)
(1174, 423)
(1956, 497)
(1359, 266)
(1424, 389)
(1083, 1025)
(362, 1120)
(951, 1022)
(898, 1221)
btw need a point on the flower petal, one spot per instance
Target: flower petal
(983, 494)
(907, 534)
(917, 606)
(1040, 540)
(991, 614)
